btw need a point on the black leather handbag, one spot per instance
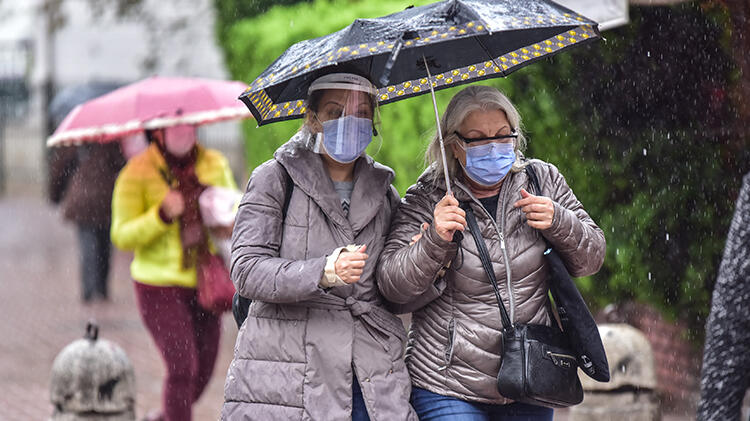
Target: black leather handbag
(538, 366)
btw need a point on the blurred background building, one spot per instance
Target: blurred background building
(48, 45)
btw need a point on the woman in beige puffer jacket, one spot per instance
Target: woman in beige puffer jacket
(318, 343)
(454, 348)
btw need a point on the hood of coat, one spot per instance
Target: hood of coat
(308, 172)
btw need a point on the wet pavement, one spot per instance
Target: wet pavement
(42, 313)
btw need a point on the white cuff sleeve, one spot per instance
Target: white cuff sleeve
(330, 279)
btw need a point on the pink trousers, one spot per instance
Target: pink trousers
(188, 339)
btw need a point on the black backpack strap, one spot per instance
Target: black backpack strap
(240, 304)
(484, 256)
(287, 194)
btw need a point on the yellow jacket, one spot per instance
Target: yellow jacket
(136, 225)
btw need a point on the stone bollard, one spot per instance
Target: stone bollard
(630, 394)
(92, 380)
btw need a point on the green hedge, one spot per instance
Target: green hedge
(634, 123)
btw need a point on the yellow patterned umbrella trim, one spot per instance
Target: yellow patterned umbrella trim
(502, 65)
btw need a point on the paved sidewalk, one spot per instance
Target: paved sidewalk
(41, 313)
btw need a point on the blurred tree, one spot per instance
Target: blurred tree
(636, 124)
(656, 160)
(739, 12)
(230, 11)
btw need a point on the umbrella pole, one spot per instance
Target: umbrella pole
(439, 130)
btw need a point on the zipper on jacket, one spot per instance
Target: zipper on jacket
(503, 194)
(448, 354)
(511, 299)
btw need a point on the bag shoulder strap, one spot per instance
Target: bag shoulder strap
(531, 173)
(484, 256)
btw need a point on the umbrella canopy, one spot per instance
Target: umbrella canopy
(461, 41)
(151, 103)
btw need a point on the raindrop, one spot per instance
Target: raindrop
(649, 276)
(648, 53)
(667, 236)
(644, 152)
(291, 23)
(617, 252)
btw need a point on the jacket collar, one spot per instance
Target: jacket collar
(306, 169)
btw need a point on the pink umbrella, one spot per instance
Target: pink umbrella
(149, 104)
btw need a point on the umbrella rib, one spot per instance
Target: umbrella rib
(489, 54)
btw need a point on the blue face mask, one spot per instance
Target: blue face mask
(488, 164)
(347, 137)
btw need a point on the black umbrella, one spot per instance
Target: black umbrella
(461, 41)
(67, 99)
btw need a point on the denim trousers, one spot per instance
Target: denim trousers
(433, 407)
(359, 411)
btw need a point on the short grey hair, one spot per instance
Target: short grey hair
(470, 99)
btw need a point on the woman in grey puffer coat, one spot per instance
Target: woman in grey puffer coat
(454, 348)
(318, 343)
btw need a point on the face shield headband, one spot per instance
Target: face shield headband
(346, 81)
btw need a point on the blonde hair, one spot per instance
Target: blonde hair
(470, 99)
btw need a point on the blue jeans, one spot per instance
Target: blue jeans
(359, 411)
(433, 407)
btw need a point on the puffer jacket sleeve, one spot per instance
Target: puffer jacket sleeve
(257, 270)
(226, 178)
(134, 224)
(407, 273)
(573, 234)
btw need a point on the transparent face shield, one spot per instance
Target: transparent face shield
(345, 117)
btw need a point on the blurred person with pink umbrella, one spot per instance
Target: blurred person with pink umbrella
(80, 181)
(155, 213)
(148, 104)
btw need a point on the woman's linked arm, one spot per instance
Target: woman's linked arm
(407, 272)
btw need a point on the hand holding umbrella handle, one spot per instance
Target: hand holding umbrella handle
(448, 218)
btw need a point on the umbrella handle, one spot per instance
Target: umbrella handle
(439, 130)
